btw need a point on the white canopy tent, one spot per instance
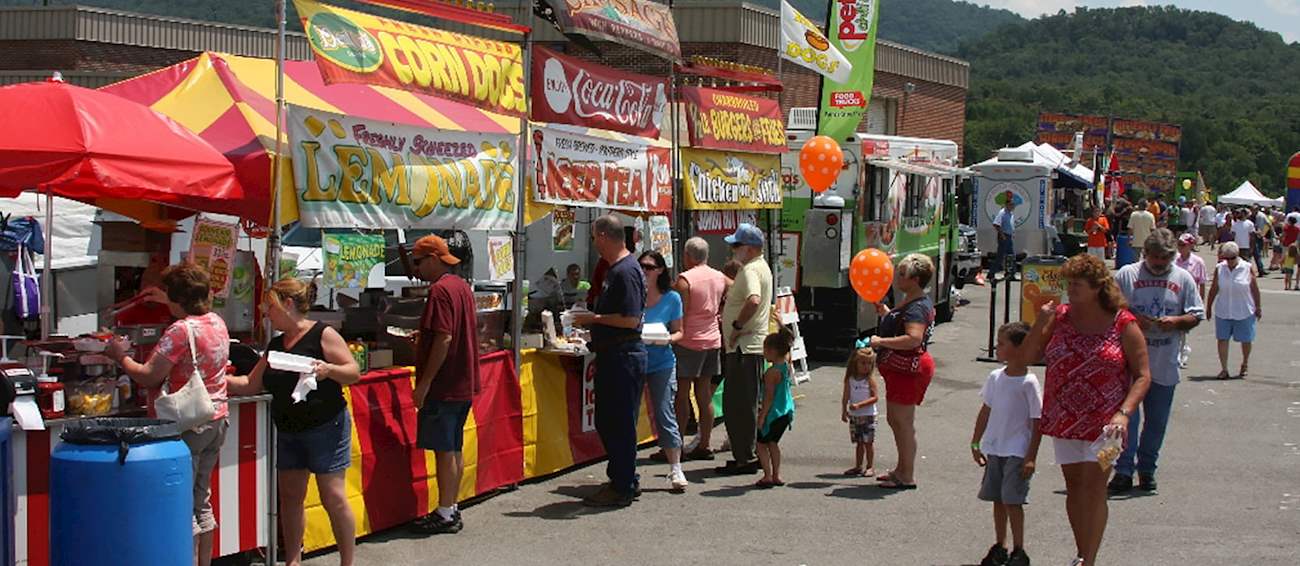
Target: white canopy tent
(1247, 194)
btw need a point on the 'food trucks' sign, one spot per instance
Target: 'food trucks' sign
(353, 47)
(350, 172)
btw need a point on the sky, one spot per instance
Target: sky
(1282, 16)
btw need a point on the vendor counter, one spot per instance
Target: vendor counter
(526, 424)
(239, 485)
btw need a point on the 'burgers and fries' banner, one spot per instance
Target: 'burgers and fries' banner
(853, 33)
(352, 47)
(805, 44)
(578, 92)
(640, 24)
(350, 172)
(576, 169)
(717, 180)
(717, 119)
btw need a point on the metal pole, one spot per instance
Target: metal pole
(521, 206)
(273, 269)
(47, 278)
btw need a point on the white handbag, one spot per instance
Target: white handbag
(190, 406)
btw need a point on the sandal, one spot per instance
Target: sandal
(1243, 372)
(763, 484)
(778, 483)
(897, 485)
(887, 476)
(1223, 376)
(869, 472)
(854, 472)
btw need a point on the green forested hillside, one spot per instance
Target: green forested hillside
(1234, 88)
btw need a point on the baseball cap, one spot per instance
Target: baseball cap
(746, 235)
(1187, 239)
(434, 246)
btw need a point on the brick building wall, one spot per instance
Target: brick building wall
(932, 110)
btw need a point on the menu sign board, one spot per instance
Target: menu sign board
(717, 119)
(568, 90)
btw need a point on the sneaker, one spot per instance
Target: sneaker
(997, 556)
(1018, 558)
(1147, 482)
(609, 497)
(678, 481)
(1120, 484)
(434, 524)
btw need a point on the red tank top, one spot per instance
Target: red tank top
(1087, 378)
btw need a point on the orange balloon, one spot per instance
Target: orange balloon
(820, 161)
(871, 272)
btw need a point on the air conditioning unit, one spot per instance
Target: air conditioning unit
(1016, 155)
(804, 118)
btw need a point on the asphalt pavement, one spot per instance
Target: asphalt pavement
(1229, 483)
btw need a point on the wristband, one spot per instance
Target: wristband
(974, 446)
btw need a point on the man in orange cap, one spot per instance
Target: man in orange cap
(447, 375)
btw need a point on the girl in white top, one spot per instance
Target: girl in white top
(1234, 305)
(858, 408)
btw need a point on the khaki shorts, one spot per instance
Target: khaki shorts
(205, 446)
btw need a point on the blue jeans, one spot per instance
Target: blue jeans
(663, 402)
(1144, 446)
(1006, 249)
(620, 377)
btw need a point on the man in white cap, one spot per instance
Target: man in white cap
(744, 327)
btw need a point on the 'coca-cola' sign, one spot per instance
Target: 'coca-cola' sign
(567, 90)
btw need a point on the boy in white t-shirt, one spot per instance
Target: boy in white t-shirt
(1005, 444)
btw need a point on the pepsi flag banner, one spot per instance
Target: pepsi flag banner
(568, 90)
(852, 30)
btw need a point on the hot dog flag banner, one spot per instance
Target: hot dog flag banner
(804, 44)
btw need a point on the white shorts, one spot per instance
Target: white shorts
(1070, 451)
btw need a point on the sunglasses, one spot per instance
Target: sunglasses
(649, 267)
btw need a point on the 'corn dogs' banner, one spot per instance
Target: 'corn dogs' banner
(353, 47)
(350, 172)
(718, 180)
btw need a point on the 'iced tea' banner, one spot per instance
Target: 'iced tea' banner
(717, 180)
(640, 24)
(353, 173)
(853, 25)
(577, 169)
(719, 119)
(568, 90)
(353, 47)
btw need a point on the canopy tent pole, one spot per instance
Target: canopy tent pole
(521, 205)
(273, 270)
(47, 278)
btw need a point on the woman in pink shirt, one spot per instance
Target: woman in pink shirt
(187, 295)
(699, 350)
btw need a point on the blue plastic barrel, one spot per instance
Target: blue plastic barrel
(1124, 252)
(115, 508)
(8, 499)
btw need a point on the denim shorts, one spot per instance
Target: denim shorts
(442, 425)
(1241, 330)
(326, 449)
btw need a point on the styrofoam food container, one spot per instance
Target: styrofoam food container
(285, 361)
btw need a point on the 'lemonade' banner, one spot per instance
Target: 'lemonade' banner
(581, 170)
(853, 32)
(353, 47)
(718, 180)
(353, 260)
(350, 172)
(719, 119)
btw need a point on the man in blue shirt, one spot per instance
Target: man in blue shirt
(620, 361)
(1005, 225)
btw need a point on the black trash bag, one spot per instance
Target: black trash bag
(119, 431)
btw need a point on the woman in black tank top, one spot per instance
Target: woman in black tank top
(314, 434)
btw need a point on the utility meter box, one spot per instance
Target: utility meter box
(828, 235)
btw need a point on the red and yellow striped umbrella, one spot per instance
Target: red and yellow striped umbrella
(229, 101)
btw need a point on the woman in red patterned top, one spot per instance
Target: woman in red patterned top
(1097, 374)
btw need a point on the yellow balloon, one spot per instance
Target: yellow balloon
(1187, 183)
